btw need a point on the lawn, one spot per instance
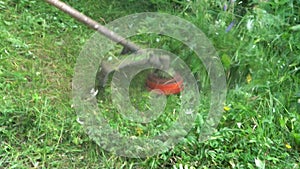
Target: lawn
(258, 44)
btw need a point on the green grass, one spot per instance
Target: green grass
(38, 50)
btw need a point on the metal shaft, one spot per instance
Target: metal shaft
(94, 25)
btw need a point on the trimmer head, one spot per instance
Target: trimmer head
(166, 86)
(162, 85)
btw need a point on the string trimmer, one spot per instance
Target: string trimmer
(167, 86)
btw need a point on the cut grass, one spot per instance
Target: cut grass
(38, 50)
